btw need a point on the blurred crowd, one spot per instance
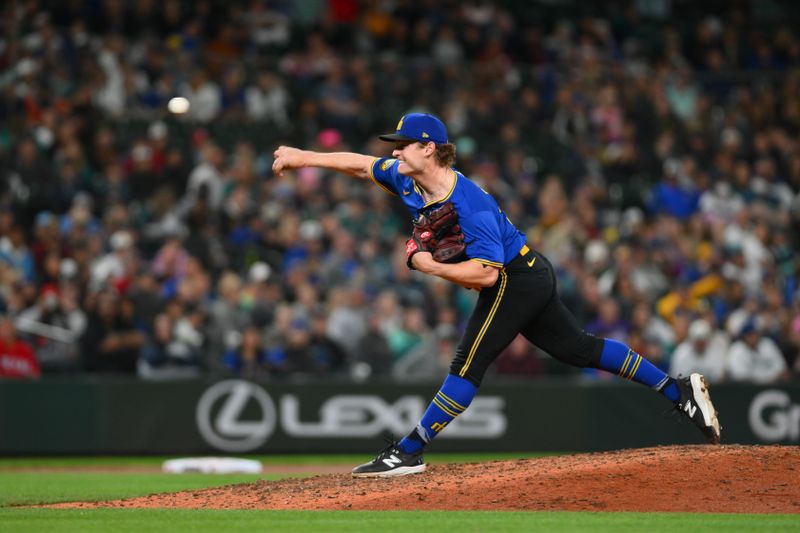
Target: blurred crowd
(649, 149)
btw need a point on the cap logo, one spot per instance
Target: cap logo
(425, 135)
(400, 124)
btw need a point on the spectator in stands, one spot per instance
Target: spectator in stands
(28, 181)
(754, 357)
(409, 334)
(250, 359)
(429, 358)
(206, 182)
(110, 342)
(676, 194)
(114, 269)
(685, 177)
(228, 315)
(373, 356)
(327, 356)
(15, 257)
(268, 99)
(345, 320)
(176, 348)
(609, 322)
(54, 325)
(555, 233)
(704, 351)
(17, 359)
(204, 95)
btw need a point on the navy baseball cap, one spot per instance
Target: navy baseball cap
(420, 127)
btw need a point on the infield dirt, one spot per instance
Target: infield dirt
(713, 479)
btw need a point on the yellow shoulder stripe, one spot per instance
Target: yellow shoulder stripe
(372, 177)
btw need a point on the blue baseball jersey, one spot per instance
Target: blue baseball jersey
(489, 236)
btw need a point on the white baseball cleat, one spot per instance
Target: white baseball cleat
(695, 404)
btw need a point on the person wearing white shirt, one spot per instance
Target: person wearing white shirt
(704, 351)
(206, 179)
(755, 358)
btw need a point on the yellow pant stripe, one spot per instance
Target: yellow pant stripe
(625, 365)
(445, 409)
(503, 278)
(451, 402)
(634, 360)
(636, 366)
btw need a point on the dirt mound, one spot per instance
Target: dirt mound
(714, 479)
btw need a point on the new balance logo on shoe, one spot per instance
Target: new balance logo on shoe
(689, 408)
(392, 461)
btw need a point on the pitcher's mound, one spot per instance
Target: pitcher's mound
(713, 479)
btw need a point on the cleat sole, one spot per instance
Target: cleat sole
(395, 472)
(710, 414)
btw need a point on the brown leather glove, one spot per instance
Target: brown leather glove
(448, 240)
(421, 240)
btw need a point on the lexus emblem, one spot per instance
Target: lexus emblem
(219, 416)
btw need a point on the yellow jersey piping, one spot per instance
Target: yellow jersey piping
(487, 262)
(446, 196)
(372, 177)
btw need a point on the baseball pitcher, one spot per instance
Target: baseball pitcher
(460, 234)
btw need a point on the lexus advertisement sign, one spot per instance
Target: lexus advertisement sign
(224, 423)
(126, 416)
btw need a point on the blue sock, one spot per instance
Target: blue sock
(618, 358)
(452, 399)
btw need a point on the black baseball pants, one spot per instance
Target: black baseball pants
(524, 300)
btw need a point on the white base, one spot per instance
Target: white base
(212, 465)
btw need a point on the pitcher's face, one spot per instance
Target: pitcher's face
(411, 156)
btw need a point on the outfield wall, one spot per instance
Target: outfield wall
(114, 416)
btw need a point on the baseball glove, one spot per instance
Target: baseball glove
(439, 233)
(420, 241)
(448, 240)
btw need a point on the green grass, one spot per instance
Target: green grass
(162, 520)
(28, 488)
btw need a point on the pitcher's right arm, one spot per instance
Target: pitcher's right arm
(352, 164)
